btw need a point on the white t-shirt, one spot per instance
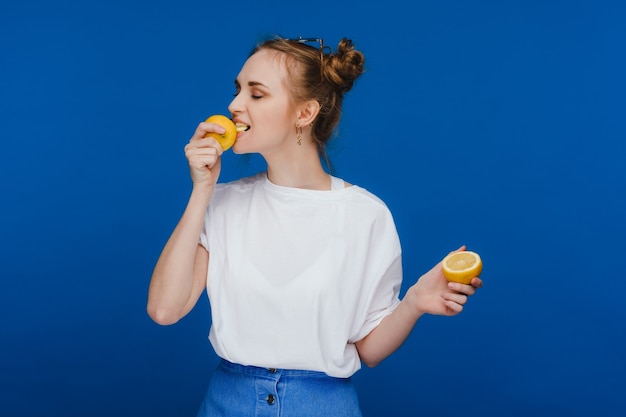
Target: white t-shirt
(297, 276)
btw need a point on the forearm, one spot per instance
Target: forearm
(172, 286)
(391, 333)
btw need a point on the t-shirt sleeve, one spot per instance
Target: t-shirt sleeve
(383, 301)
(204, 232)
(221, 203)
(381, 286)
(209, 218)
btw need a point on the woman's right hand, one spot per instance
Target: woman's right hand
(204, 155)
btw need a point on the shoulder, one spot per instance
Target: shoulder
(241, 184)
(371, 220)
(244, 182)
(365, 207)
(234, 191)
(364, 196)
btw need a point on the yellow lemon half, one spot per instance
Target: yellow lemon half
(462, 266)
(226, 139)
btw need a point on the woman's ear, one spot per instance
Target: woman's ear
(308, 112)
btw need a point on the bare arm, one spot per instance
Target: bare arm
(179, 277)
(180, 274)
(432, 294)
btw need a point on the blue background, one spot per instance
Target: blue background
(495, 124)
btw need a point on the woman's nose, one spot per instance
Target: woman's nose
(236, 105)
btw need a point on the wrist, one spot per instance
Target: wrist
(412, 299)
(201, 194)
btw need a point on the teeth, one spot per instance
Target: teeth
(241, 127)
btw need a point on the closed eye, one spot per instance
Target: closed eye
(254, 86)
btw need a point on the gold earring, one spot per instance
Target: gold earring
(299, 134)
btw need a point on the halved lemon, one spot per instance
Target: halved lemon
(226, 139)
(462, 266)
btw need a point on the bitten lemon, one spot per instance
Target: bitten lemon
(226, 139)
(462, 266)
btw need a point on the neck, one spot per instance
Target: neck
(299, 169)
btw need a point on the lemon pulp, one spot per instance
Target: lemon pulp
(462, 266)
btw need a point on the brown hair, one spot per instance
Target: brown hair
(320, 75)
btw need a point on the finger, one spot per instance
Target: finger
(203, 162)
(457, 298)
(191, 150)
(199, 157)
(199, 144)
(204, 128)
(462, 288)
(454, 308)
(202, 153)
(460, 249)
(202, 142)
(477, 282)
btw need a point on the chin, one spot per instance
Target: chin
(240, 149)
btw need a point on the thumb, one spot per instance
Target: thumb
(460, 249)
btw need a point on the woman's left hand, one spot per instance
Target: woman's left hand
(433, 294)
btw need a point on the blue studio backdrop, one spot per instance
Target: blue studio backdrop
(494, 124)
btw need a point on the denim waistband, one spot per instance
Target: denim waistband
(273, 373)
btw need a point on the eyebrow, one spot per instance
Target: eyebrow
(252, 84)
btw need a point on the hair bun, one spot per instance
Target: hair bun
(343, 67)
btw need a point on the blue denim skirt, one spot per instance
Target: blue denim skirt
(249, 391)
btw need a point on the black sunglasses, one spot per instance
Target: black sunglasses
(306, 41)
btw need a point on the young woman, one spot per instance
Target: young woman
(302, 269)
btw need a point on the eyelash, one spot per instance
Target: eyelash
(255, 97)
